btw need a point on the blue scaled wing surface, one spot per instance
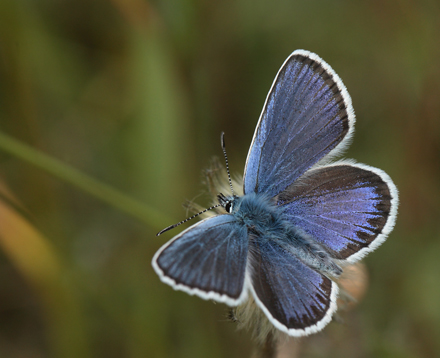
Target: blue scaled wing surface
(297, 299)
(307, 117)
(208, 260)
(349, 208)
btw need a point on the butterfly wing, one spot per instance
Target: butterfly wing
(350, 208)
(208, 260)
(307, 116)
(297, 299)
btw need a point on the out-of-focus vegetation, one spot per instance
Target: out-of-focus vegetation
(135, 94)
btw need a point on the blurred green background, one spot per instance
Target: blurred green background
(135, 94)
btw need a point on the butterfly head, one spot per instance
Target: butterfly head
(227, 202)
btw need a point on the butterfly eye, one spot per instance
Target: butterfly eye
(228, 207)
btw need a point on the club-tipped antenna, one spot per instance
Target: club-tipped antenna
(188, 219)
(226, 160)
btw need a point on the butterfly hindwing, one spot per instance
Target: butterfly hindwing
(208, 260)
(307, 116)
(350, 208)
(297, 299)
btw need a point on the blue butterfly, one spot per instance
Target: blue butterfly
(300, 220)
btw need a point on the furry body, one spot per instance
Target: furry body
(265, 220)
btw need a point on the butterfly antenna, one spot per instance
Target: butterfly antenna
(188, 219)
(226, 160)
(222, 198)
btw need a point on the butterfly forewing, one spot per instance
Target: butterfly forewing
(208, 259)
(307, 116)
(297, 299)
(350, 208)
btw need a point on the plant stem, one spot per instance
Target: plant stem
(99, 190)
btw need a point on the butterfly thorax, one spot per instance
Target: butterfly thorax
(265, 220)
(259, 214)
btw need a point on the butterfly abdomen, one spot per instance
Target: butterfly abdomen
(310, 252)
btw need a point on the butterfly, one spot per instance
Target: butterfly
(302, 217)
